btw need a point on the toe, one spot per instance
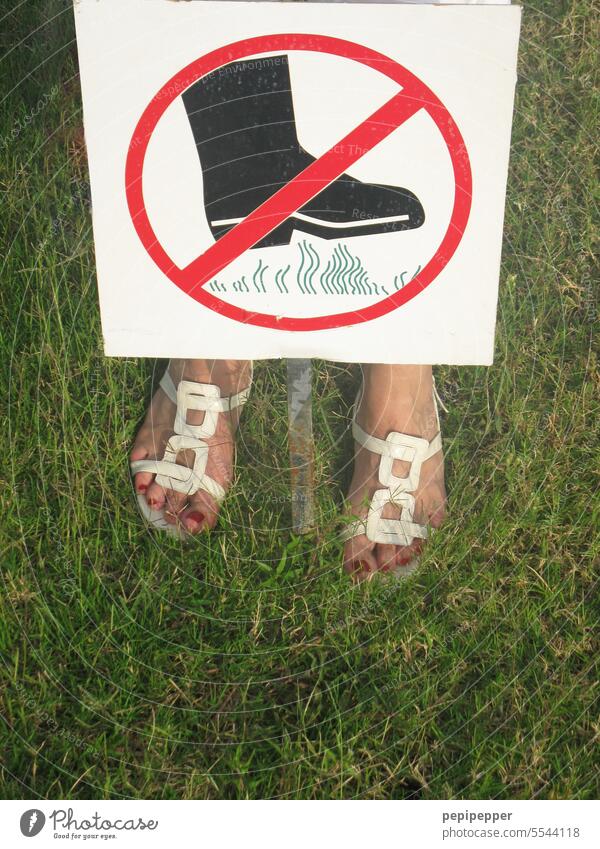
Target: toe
(175, 503)
(201, 512)
(359, 558)
(405, 554)
(386, 556)
(142, 480)
(155, 496)
(437, 516)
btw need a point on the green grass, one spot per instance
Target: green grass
(246, 665)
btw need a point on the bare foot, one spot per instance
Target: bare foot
(198, 511)
(395, 398)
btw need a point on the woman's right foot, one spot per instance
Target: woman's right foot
(394, 398)
(200, 510)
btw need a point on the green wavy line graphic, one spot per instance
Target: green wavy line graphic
(300, 270)
(317, 263)
(344, 274)
(308, 258)
(346, 278)
(324, 276)
(257, 277)
(343, 269)
(334, 274)
(261, 279)
(355, 267)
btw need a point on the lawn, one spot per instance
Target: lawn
(246, 665)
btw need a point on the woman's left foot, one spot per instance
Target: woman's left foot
(394, 398)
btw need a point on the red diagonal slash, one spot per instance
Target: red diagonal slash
(302, 188)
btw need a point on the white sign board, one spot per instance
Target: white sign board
(298, 180)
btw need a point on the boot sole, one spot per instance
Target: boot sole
(282, 235)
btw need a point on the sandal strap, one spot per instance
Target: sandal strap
(224, 405)
(204, 397)
(173, 475)
(179, 478)
(387, 531)
(189, 395)
(168, 387)
(400, 447)
(395, 490)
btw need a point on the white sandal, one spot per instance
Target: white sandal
(188, 395)
(397, 491)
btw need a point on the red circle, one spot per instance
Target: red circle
(322, 44)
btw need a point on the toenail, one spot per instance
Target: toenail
(404, 560)
(142, 487)
(196, 517)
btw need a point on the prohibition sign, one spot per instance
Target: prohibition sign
(414, 96)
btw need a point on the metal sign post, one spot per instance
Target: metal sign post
(301, 446)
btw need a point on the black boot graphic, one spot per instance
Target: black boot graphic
(242, 118)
